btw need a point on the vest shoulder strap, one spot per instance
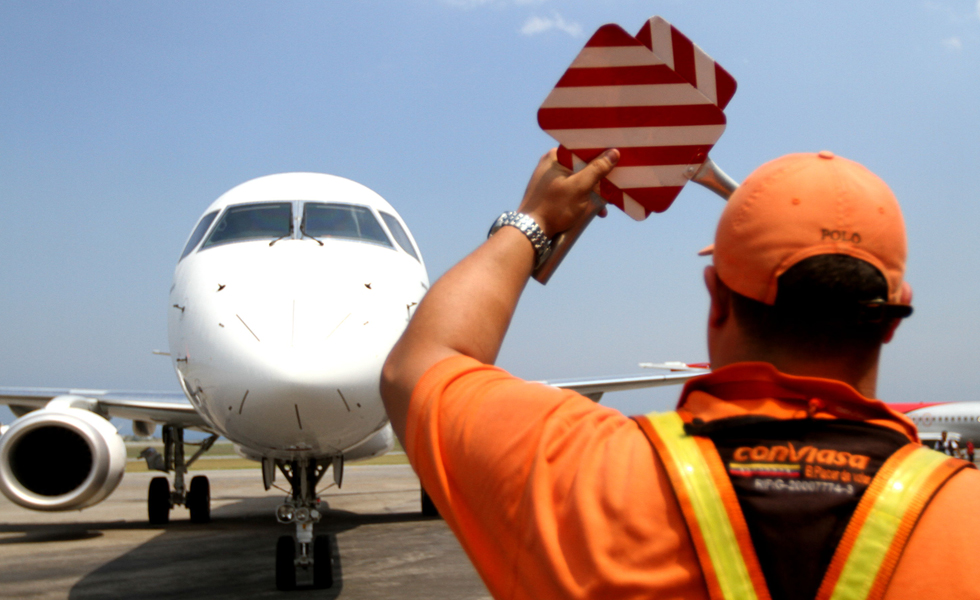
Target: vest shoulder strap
(864, 561)
(707, 500)
(867, 555)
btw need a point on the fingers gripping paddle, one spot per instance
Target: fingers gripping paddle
(656, 97)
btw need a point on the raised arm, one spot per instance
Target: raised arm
(469, 308)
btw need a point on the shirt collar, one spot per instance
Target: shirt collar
(758, 388)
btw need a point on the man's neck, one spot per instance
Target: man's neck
(729, 343)
(863, 378)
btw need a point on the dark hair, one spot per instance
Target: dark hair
(824, 306)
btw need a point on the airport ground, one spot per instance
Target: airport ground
(384, 547)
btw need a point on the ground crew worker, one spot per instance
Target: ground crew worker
(949, 446)
(778, 476)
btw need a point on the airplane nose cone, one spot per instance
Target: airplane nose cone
(289, 350)
(342, 327)
(309, 397)
(320, 352)
(315, 306)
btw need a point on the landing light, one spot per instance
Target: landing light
(284, 514)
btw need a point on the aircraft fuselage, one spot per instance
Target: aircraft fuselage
(279, 341)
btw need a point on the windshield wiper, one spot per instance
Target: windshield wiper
(282, 236)
(303, 234)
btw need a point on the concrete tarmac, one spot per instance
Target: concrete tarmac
(384, 547)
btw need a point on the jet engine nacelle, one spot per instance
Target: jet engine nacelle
(62, 457)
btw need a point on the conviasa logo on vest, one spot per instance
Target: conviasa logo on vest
(809, 461)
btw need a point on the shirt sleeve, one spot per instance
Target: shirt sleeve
(540, 486)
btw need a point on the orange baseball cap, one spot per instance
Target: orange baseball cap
(803, 205)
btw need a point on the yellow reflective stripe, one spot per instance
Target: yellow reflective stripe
(716, 528)
(884, 519)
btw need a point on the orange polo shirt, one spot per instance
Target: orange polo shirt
(554, 496)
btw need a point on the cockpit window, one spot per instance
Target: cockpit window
(342, 221)
(271, 220)
(399, 234)
(199, 232)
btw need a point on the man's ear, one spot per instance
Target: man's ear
(905, 298)
(721, 298)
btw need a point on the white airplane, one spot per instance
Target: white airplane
(960, 420)
(288, 296)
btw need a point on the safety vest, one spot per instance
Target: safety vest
(868, 553)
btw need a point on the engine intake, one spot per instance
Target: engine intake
(61, 458)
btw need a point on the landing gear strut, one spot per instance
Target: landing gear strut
(161, 498)
(305, 551)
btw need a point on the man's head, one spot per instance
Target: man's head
(809, 257)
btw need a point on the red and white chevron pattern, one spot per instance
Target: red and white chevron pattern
(657, 97)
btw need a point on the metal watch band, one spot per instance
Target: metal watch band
(530, 228)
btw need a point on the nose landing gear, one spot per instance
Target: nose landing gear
(305, 551)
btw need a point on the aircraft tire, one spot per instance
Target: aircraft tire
(285, 564)
(158, 501)
(428, 506)
(199, 500)
(322, 562)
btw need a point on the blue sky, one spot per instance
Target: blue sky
(121, 121)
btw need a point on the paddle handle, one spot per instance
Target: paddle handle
(564, 241)
(712, 177)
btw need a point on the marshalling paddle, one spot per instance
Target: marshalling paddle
(656, 97)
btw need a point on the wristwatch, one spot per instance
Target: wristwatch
(530, 228)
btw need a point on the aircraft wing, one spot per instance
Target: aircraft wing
(166, 408)
(595, 387)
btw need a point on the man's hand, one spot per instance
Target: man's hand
(555, 197)
(469, 309)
